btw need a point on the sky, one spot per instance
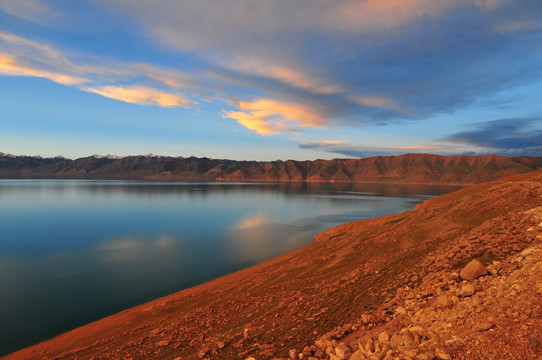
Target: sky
(270, 79)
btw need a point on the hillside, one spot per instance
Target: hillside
(346, 287)
(408, 168)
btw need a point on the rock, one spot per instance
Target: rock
(162, 343)
(343, 351)
(400, 310)
(294, 354)
(408, 340)
(396, 341)
(319, 354)
(358, 355)
(442, 355)
(423, 356)
(442, 301)
(473, 270)
(383, 337)
(483, 326)
(534, 342)
(306, 352)
(467, 290)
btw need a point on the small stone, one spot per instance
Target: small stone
(343, 351)
(358, 355)
(534, 342)
(454, 276)
(473, 270)
(442, 355)
(442, 301)
(294, 354)
(483, 326)
(383, 337)
(396, 341)
(467, 290)
(162, 343)
(408, 340)
(423, 356)
(400, 310)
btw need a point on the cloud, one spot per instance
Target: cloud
(270, 117)
(139, 95)
(32, 10)
(353, 63)
(512, 137)
(12, 66)
(342, 147)
(286, 66)
(157, 85)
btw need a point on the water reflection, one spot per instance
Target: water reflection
(74, 251)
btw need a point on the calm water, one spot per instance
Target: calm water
(74, 251)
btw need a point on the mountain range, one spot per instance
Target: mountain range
(407, 168)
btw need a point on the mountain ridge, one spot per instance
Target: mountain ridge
(406, 168)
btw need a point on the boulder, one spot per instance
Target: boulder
(473, 270)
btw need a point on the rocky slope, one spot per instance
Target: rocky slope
(408, 168)
(492, 312)
(386, 288)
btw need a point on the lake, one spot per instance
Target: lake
(74, 251)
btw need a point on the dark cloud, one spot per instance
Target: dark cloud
(512, 137)
(361, 151)
(429, 58)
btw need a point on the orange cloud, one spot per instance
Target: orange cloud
(9, 65)
(269, 117)
(139, 95)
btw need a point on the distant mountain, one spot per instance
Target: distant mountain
(408, 168)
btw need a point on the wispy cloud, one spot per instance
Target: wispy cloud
(12, 66)
(32, 10)
(139, 95)
(136, 83)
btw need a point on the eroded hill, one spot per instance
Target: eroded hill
(408, 168)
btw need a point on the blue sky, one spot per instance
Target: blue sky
(267, 80)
